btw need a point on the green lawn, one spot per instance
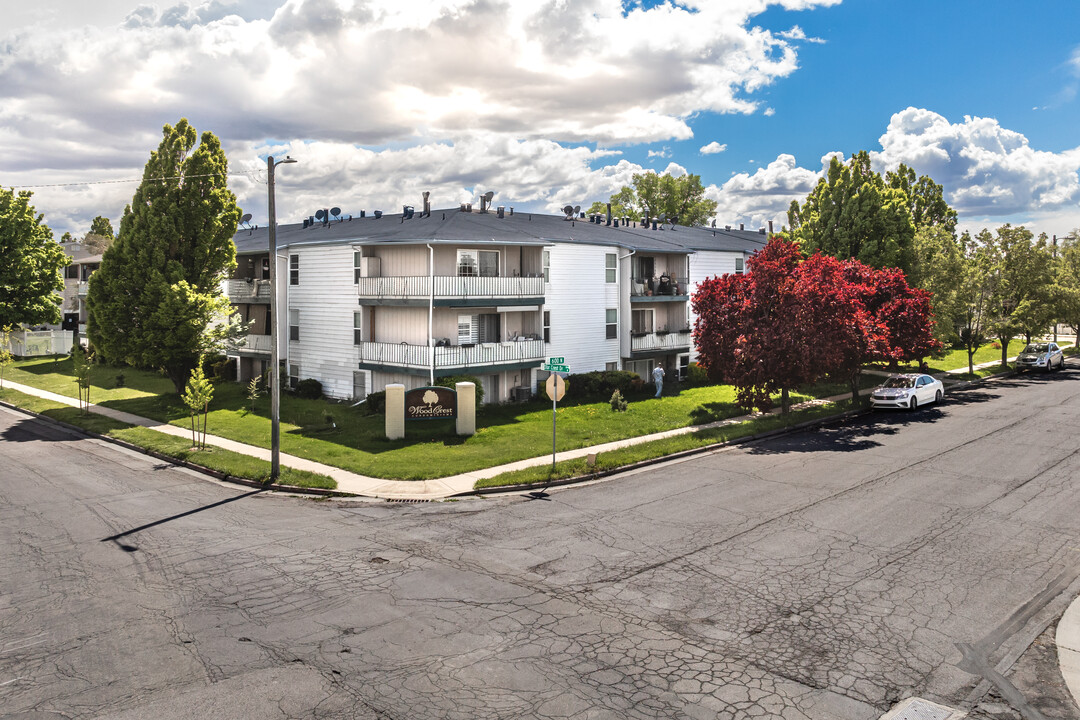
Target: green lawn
(505, 433)
(214, 458)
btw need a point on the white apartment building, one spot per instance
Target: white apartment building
(379, 299)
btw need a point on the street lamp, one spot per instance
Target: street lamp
(275, 370)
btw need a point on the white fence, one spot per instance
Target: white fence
(40, 343)
(661, 341)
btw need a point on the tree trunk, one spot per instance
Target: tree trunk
(854, 380)
(971, 354)
(1004, 351)
(785, 402)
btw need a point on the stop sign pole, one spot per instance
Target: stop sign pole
(556, 388)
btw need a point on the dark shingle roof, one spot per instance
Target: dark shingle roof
(458, 227)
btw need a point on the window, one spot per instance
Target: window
(357, 324)
(356, 263)
(294, 269)
(612, 323)
(611, 366)
(641, 321)
(547, 266)
(482, 263)
(359, 385)
(488, 327)
(294, 325)
(71, 272)
(610, 266)
(294, 376)
(467, 329)
(547, 323)
(739, 266)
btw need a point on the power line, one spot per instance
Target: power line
(113, 182)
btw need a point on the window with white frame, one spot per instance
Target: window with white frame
(739, 269)
(642, 368)
(547, 266)
(611, 366)
(294, 325)
(547, 326)
(359, 384)
(642, 321)
(468, 329)
(478, 263)
(611, 322)
(357, 325)
(610, 267)
(294, 376)
(294, 269)
(357, 264)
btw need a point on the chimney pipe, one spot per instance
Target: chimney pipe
(502, 212)
(653, 224)
(741, 226)
(770, 227)
(609, 214)
(427, 204)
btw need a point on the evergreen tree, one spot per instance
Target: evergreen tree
(102, 227)
(154, 302)
(31, 264)
(662, 197)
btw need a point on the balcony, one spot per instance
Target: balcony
(665, 289)
(251, 345)
(451, 290)
(482, 356)
(248, 291)
(84, 288)
(660, 341)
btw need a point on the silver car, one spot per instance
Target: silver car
(1042, 356)
(907, 391)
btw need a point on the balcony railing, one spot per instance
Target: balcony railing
(449, 287)
(252, 344)
(248, 291)
(640, 287)
(84, 288)
(418, 357)
(660, 341)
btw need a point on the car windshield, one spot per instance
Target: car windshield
(899, 382)
(1037, 348)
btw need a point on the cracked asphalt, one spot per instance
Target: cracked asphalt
(823, 574)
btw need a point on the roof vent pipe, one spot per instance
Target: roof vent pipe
(305, 223)
(311, 220)
(377, 214)
(653, 224)
(363, 213)
(727, 227)
(741, 226)
(511, 210)
(770, 227)
(501, 211)
(761, 231)
(427, 204)
(609, 214)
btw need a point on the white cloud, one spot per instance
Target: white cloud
(664, 152)
(765, 195)
(713, 148)
(984, 168)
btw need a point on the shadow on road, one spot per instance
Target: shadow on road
(129, 548)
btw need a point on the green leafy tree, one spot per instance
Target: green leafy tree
(31, 264)
(6, 358)
(1067, 270)
(1023, 301)
(101, 227)
(926, 199)
(197, 396)
(82, 360)
(938, 269)
(979, 278)
(156, 302)
(852, 213)
(662, 197)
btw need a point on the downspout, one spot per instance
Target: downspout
(430, 314)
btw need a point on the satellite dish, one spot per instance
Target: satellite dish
(335, 211)
(489, 194)
(320, 214)
(577, 209)
(246, 218)
(567, 210)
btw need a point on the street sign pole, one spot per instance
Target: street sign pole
(554, 408)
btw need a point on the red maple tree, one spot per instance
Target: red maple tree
(792, 320)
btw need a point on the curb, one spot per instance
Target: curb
(217, 474)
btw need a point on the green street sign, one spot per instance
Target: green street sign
(549, 367)
(556, 361)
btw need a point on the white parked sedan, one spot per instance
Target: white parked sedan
(907, 391)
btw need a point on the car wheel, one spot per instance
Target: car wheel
(937, 397)
(914, 403)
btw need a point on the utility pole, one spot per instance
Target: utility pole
(275, 379)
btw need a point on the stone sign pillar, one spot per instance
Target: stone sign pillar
(466, 416)
(395, 411)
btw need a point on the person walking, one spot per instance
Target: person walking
(658, 378)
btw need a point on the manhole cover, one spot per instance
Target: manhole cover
(919, 709)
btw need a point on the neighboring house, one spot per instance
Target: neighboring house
(83, 264)
(374, 300)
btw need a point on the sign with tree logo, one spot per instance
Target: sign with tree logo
(430, 403)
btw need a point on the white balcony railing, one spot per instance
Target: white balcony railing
(449, 287)
(453, 356)
(660, 341)
(252, 343)
(84, 288)
(246, 291)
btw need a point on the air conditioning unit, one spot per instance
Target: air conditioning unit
(522, 394)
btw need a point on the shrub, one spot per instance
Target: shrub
(696, 376)
(376, 403)
(451, 380)
(120, 380)
(220, 367)
(309, 388)
(618, 402)
(995, 345)
(599, 384)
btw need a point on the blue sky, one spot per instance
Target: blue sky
(547, 102)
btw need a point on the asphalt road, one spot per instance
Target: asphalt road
(824, 574)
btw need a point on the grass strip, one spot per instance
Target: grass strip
(214, 458)
(652, 450)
